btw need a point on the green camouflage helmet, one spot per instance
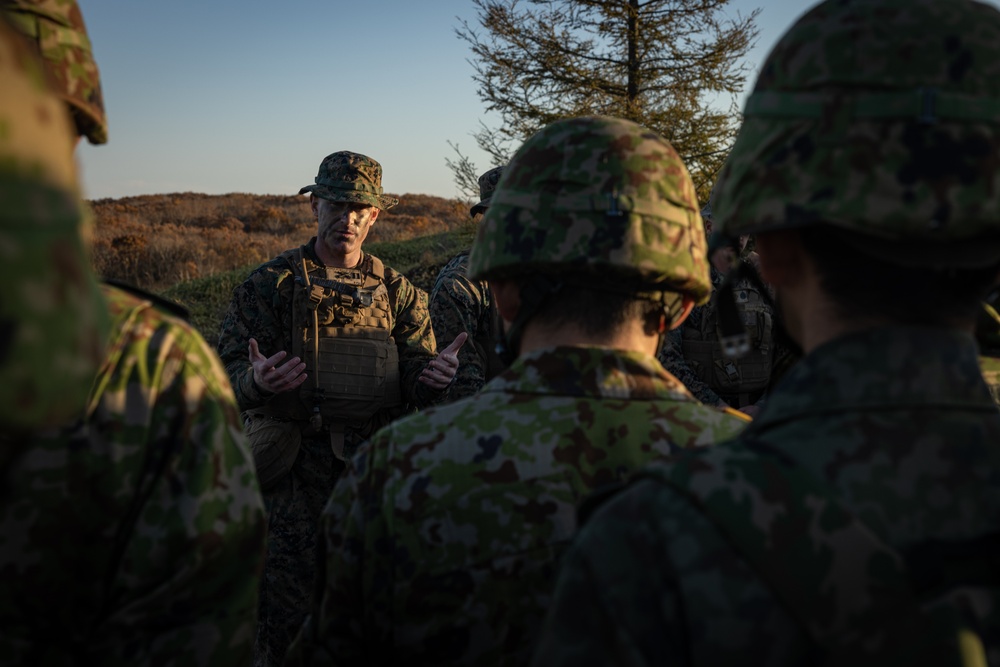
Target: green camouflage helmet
(53, 320)
(56, 28)
(880, 118)
(350, 177)
(601, 194)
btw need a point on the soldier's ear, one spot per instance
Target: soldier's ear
(314, 205)
(507, 295)
(375, 211)
(687, 304)
(782, 258)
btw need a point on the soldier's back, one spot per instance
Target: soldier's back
(478, 499)
(896, 427)
(134, 535)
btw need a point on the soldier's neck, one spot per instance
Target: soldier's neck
(632, 337)
(337, 260)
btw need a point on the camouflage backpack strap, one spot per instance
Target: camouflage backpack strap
(853, 595)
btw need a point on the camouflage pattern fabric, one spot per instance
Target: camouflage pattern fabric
(625, 207)
(874, 415)
(56, 28)
(53, 320)
(442, 542)
(261, 308)
(672, 354)
(863, 117)
(459, 304)
(134, 534)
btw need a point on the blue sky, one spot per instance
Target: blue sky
(220, 96)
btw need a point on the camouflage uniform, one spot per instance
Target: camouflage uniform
(441, 543)
(131, 523)
(694, 355)
(262, 308)
(53, 321)
(855, 520)
(459, 304)
(142, 518)
(57, 30)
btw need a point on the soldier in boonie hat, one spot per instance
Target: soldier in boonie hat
(350, 177)
(487, 184)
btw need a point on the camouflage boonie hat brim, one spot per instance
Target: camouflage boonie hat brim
(487, 185)
(599, 194)
(53, 320)
(57, 29)
(350, 177)
(881, 118)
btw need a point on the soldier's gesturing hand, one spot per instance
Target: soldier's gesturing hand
(440, 371)
(273, 378)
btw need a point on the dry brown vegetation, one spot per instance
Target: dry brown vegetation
(156, 241)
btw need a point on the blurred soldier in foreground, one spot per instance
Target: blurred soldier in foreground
(856, 520)
(988, 337)
(694, 354)
(459, 304)
(442, 542)
(324, 344)
(131, 525)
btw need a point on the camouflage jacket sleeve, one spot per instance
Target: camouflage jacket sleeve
(672, 358)
(355, 588)
(458, 304)
(414, 337)
(148, 524)
(254, 312)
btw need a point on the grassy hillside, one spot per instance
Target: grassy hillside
(195, 248)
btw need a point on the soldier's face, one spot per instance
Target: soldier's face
(343, 226)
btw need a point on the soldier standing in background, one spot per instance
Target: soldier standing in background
(855, 521)
(131, 524)
(324, 344)
(694, 354)
(441, 542)
(459, 304)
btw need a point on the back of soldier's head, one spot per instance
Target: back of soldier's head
(596, 203)
(52, 318)
(876, 123)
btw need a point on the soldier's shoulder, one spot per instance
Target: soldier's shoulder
(123, 297)
(146, 325)
(457, 265)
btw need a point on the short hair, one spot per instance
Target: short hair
(862, 286)
(585, 300)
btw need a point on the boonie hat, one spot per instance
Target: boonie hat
(350, 177)
(487, 184)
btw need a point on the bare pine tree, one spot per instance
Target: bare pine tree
(674, 66)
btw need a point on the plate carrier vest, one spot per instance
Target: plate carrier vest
(342, 329)
(733, 379)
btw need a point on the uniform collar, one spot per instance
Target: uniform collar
(880, 369)
(590, 371)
